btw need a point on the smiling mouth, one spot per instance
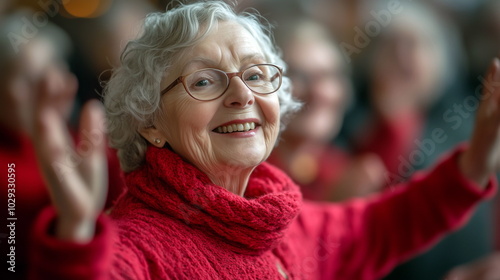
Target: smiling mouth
(231, 128)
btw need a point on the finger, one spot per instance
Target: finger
(67, 92)
(484, 147)
(92, 150)
(57, 160)
(494, 66)
(489, 111)
(51, 139)
(44, 95)
(55, 150)
(492, 81)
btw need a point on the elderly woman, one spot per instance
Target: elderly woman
(194, 111)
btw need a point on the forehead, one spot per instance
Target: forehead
(227, 44)
(313, 54)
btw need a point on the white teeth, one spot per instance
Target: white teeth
(241, 127)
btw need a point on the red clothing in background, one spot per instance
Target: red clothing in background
(322, 169)
(319, 173)
(392, 140)
(31, 195)
(175, 224)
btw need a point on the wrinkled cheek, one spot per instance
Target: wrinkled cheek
(276, 118)
(270, 138)
(196, 148)
(188, 130)
(273, 125)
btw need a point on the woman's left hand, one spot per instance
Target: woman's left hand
(482, 158)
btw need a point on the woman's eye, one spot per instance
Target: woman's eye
(254, 77)
(202, 83)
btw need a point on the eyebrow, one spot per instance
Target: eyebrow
(254, 56)
(209, 62)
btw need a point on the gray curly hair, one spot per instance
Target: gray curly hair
(132, 95)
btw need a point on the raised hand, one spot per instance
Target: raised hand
(483, 156)
(76, 177)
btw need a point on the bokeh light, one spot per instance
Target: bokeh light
(86, 8)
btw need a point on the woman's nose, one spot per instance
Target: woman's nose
(238, 95)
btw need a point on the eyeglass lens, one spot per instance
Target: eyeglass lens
(210, 83)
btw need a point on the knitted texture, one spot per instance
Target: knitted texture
(203, 230)
(175, 224)
(251, 224)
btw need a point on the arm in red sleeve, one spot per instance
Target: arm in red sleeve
(367, 238)
(106, 256)
(51, 258)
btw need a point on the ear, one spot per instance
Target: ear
(153, 136)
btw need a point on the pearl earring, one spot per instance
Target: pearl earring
(157, 141)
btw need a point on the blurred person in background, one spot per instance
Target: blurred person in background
(408, 66)
(415, 89)
(32, 57)
(320, 80)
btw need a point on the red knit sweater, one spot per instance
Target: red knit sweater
(175, 224)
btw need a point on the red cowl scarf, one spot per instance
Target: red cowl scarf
(250, 225)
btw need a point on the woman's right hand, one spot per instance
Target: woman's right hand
(76, 177)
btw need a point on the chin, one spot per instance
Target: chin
(247, 159)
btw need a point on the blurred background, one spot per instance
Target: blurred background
(387, 87)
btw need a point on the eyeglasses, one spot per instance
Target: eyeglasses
(209, 84)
